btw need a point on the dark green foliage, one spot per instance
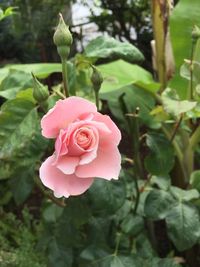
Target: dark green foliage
(18, 241)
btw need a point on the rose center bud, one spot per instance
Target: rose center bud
(84, 137)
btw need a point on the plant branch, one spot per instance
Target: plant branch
(117, 244)
(177, 125)
(148, 180)
(136, 144)
(136, 155)
(64, 75)
(191, 71)
(97, 99)
(137, 195)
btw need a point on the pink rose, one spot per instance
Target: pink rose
(85, 147)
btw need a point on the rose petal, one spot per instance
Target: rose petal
(115, 135)
(60, 183)
(74, 148)
(67, 164)
(63, 113)
(88, 157)
(78, 186)
(61, 144)
(106, 165)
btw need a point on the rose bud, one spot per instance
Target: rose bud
(62, 39)
(40, 92)
(96, 79)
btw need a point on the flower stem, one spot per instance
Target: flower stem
(97, 98)
(191, 71)
(64, 75)
(177, 125)
(117, 243)
(136, 142)
(136, 157)
(137, 196)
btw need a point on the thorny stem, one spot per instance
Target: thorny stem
(136, 156)
(146, 183)
(177, 125)
(136, 142)
(134, 128)
(64, 75)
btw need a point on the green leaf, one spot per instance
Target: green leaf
(156, 262)
(99, 230)
(144, 247)
(163, 182)
(93, 253)
(158, 203)
(8, 12)
(107, 197)
(26, 94)
(119, 74)
(160, 160)
(132, 224)
(173, 105)
(52, 212)
(184, 195)
(21, 185)
(195, 180)
(41, 70)
(15, 82)
(124, 261)
(74, 215)
(180, 33)
(21, 144)
(58, 256)
(100, 258)
(183, 226)
(133, 98)
(108, 47)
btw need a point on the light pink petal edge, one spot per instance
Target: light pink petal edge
(106, 165)
(67, 164)
(60, 183)
(64, 112)
(115, 135)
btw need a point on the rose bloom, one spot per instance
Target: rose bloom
(85, 147)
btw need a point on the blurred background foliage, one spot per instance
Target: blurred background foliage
(27, 36)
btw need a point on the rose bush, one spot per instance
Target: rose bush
(85, 147)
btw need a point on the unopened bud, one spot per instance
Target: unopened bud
(96, 79)
(195, 33)
(62, 39)
(40, 92)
